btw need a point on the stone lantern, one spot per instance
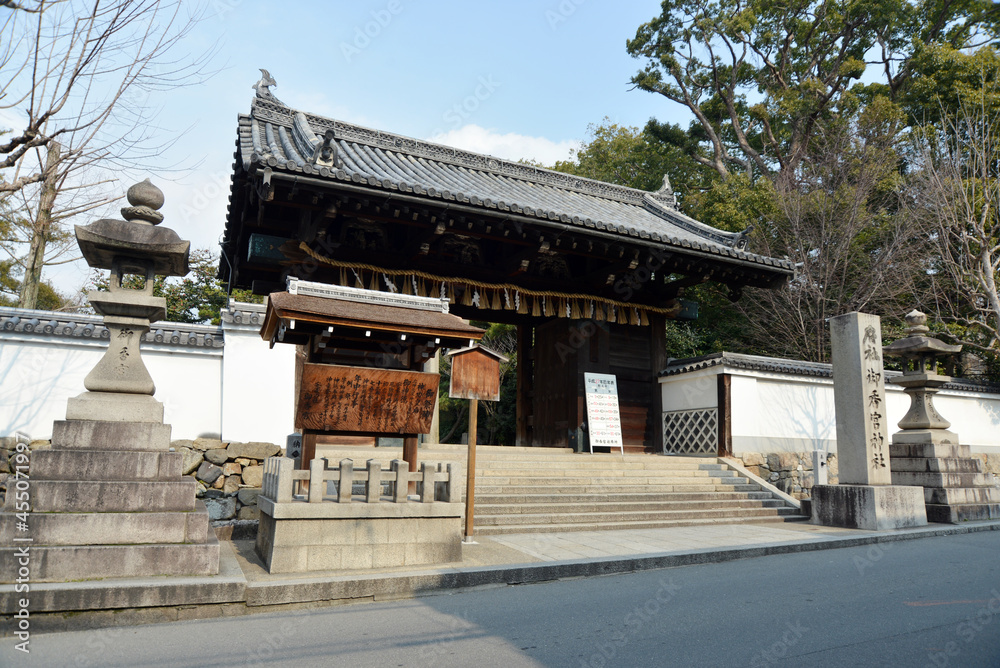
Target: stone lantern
(920, 354)
(924, 452)
(136, 250)
(108, 499)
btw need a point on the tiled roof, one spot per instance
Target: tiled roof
(676, 367)
(87, 327)
(348, 313)
(276, 136)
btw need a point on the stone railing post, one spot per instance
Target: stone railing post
(283, 493)
(446, 496)
(346, 484)
(427, 485)
(373, 489)
(317, 486)
(402, 480)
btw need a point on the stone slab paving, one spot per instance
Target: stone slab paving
(635, 542)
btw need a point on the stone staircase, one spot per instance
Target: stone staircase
(521, 490)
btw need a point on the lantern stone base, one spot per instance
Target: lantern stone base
(298, 537)
(869, 507)
(107, 500)
(114, 407)
(956, 489)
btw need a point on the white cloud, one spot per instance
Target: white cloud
(510, 146)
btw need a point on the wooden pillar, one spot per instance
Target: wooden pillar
(725, 415)
(658, 361)
(525, 373)
(433, 365)
(470, 476)
(309, 439)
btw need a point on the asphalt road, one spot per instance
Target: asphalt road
(929, 602)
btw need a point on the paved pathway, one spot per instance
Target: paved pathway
(634, 542)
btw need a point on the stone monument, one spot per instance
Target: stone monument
(925, 452)
(865, 497)
(108, 499)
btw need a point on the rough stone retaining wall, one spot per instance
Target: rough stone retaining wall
(229, 475)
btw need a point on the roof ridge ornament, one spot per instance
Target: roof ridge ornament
(263, 87)
(326, 154)
(666, 193)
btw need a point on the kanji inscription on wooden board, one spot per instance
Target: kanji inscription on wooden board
(359, 399)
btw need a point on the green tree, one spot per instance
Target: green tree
(762, 77)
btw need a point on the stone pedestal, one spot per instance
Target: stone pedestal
(108, 500)
(954, 485)
(870, 507)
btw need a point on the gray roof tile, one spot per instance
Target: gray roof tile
(283, 138)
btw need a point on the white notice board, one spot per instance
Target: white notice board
(604, 420)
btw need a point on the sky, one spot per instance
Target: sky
(515, 79)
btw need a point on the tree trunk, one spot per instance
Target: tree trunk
(40, 232)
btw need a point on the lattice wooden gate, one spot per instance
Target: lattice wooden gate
(692, 432)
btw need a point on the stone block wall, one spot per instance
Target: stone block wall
(791, 472)
(303, 545)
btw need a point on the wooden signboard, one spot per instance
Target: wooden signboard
(475, 374)
(361, 399)
(603, 418)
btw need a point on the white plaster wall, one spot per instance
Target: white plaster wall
(40, 375)
(774, 412)
(257, 388)
(698, 389)
(188, 385)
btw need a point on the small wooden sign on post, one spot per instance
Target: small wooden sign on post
(604, 422)
(475, 375)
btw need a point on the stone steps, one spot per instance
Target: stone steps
(624, 497)
(937, 465)
(541, 482)
(964, 512)
(595, 487)
(604, 473)
(85, 496)
(112, 528)
(596, 505)
(59, 563)
(617, 526)
(540, 490)
(629, 517)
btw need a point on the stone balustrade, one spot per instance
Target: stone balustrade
(312, 520)
(283, 483)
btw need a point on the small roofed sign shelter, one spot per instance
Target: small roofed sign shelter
(587, 271)
(361, 355)
(475, 375)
